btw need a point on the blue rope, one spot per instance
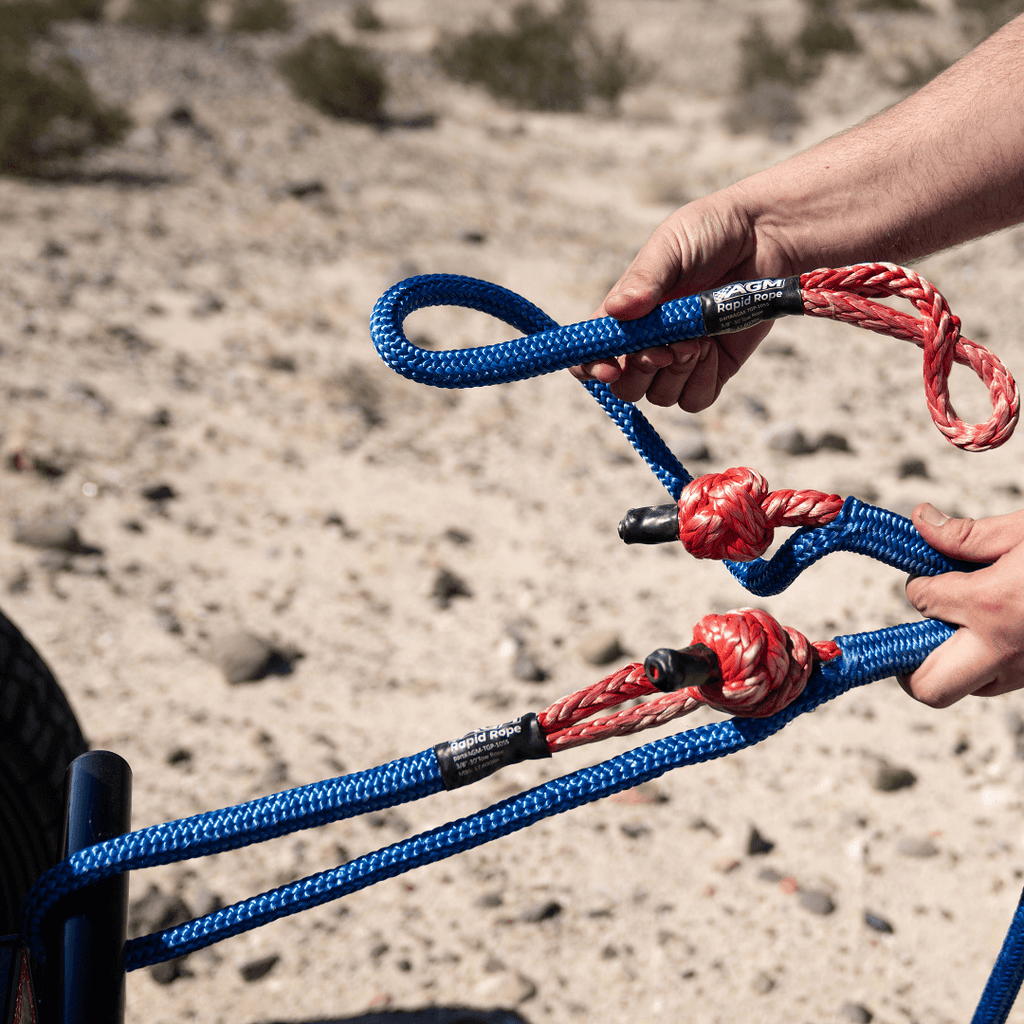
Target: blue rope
(865, 658)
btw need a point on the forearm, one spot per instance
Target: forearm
(944, 166)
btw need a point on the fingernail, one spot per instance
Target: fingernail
(932, 516)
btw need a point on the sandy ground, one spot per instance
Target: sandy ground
(178, 318)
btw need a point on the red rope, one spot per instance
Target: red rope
(733, 514)
(764, 667)
(845, 294)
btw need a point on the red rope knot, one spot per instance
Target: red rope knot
(764, 665)
(733, 514)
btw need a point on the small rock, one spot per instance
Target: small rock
(505, 988)
(167, 620)
(770, 875)
(207, 304)
(911, 846)
(832, 442)
(856, 1014)
(282, 364)
(757, 844)
(600, 647)
(911, 466)
(52, 249)
(541, 912)
(634, 829)
(525, 667)
(19, 581)
(155, 911)
(159, 492)
(180, 756)
(490, 900)
(242, 657)
(692, 446)
(260, 968)
(816, 902)
(305, 189)
(887, 778)
(456, 536)
(159, 418)
(763, 984)
(879, 924)
(472, 237)
(447, 586)
(788, 438)
(51, 534)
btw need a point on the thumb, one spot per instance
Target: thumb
(970, 540)
(652, 274)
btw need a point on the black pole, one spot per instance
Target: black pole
(85, 963)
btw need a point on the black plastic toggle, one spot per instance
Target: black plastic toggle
(653, 524)
(670, 670)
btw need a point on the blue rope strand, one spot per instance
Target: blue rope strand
(865, 658)
(1005, 980)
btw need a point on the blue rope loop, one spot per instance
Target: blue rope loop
(864, 658)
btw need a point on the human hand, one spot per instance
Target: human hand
(710, 242)
(985, 656)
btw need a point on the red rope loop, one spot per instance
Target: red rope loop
(845, 294)
(733, 514)
(764, 667)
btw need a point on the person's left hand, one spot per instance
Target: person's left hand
(985, 656)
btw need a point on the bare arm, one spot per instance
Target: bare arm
(944, 166)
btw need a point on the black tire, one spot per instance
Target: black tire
(39, 738)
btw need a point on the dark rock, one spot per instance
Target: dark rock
(133, 526)
(472, 237)
(856, 1014)
(541, 912)
(283, 364)
(525, 667)
(816, 902)
(757, 844)
(490, 900)
(916, 846)
(19, 581)
(180, 756)
(887, 778)
(305, 189)
(259, 968)
(242, 657)
(447, 586)
(181, 115)
(52, 250)
(169, 971)
(130, 338)
(789, 439)
(763, 984)
(634, 829)
(159, 492)
(167, 620)
(457, 536)
(207, 304)
(832, 442)
(600, 647)
(159, 418)
(156, 911)
(53, 535)
(912, 466)
(879, 924)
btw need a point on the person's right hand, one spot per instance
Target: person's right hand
(707, 243)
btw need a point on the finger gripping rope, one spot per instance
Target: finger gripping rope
(732, 515)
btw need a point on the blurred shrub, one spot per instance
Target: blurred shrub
(341, 80)
(896, 6)
(917, 73)
(260, 16)
(544, 61)
(188, 16)
(825, 31)
(365, 18)
(80, 10)
(988, 15)
(762, 59)
(48, 112)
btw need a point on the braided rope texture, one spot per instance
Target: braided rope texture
(845, 294)
(1004, 982)
(862, 659)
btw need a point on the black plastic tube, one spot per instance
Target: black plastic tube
(85, 964)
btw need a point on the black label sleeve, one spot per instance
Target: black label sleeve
(739, 305)
(482, 752)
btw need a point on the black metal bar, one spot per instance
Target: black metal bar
(85, 957)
